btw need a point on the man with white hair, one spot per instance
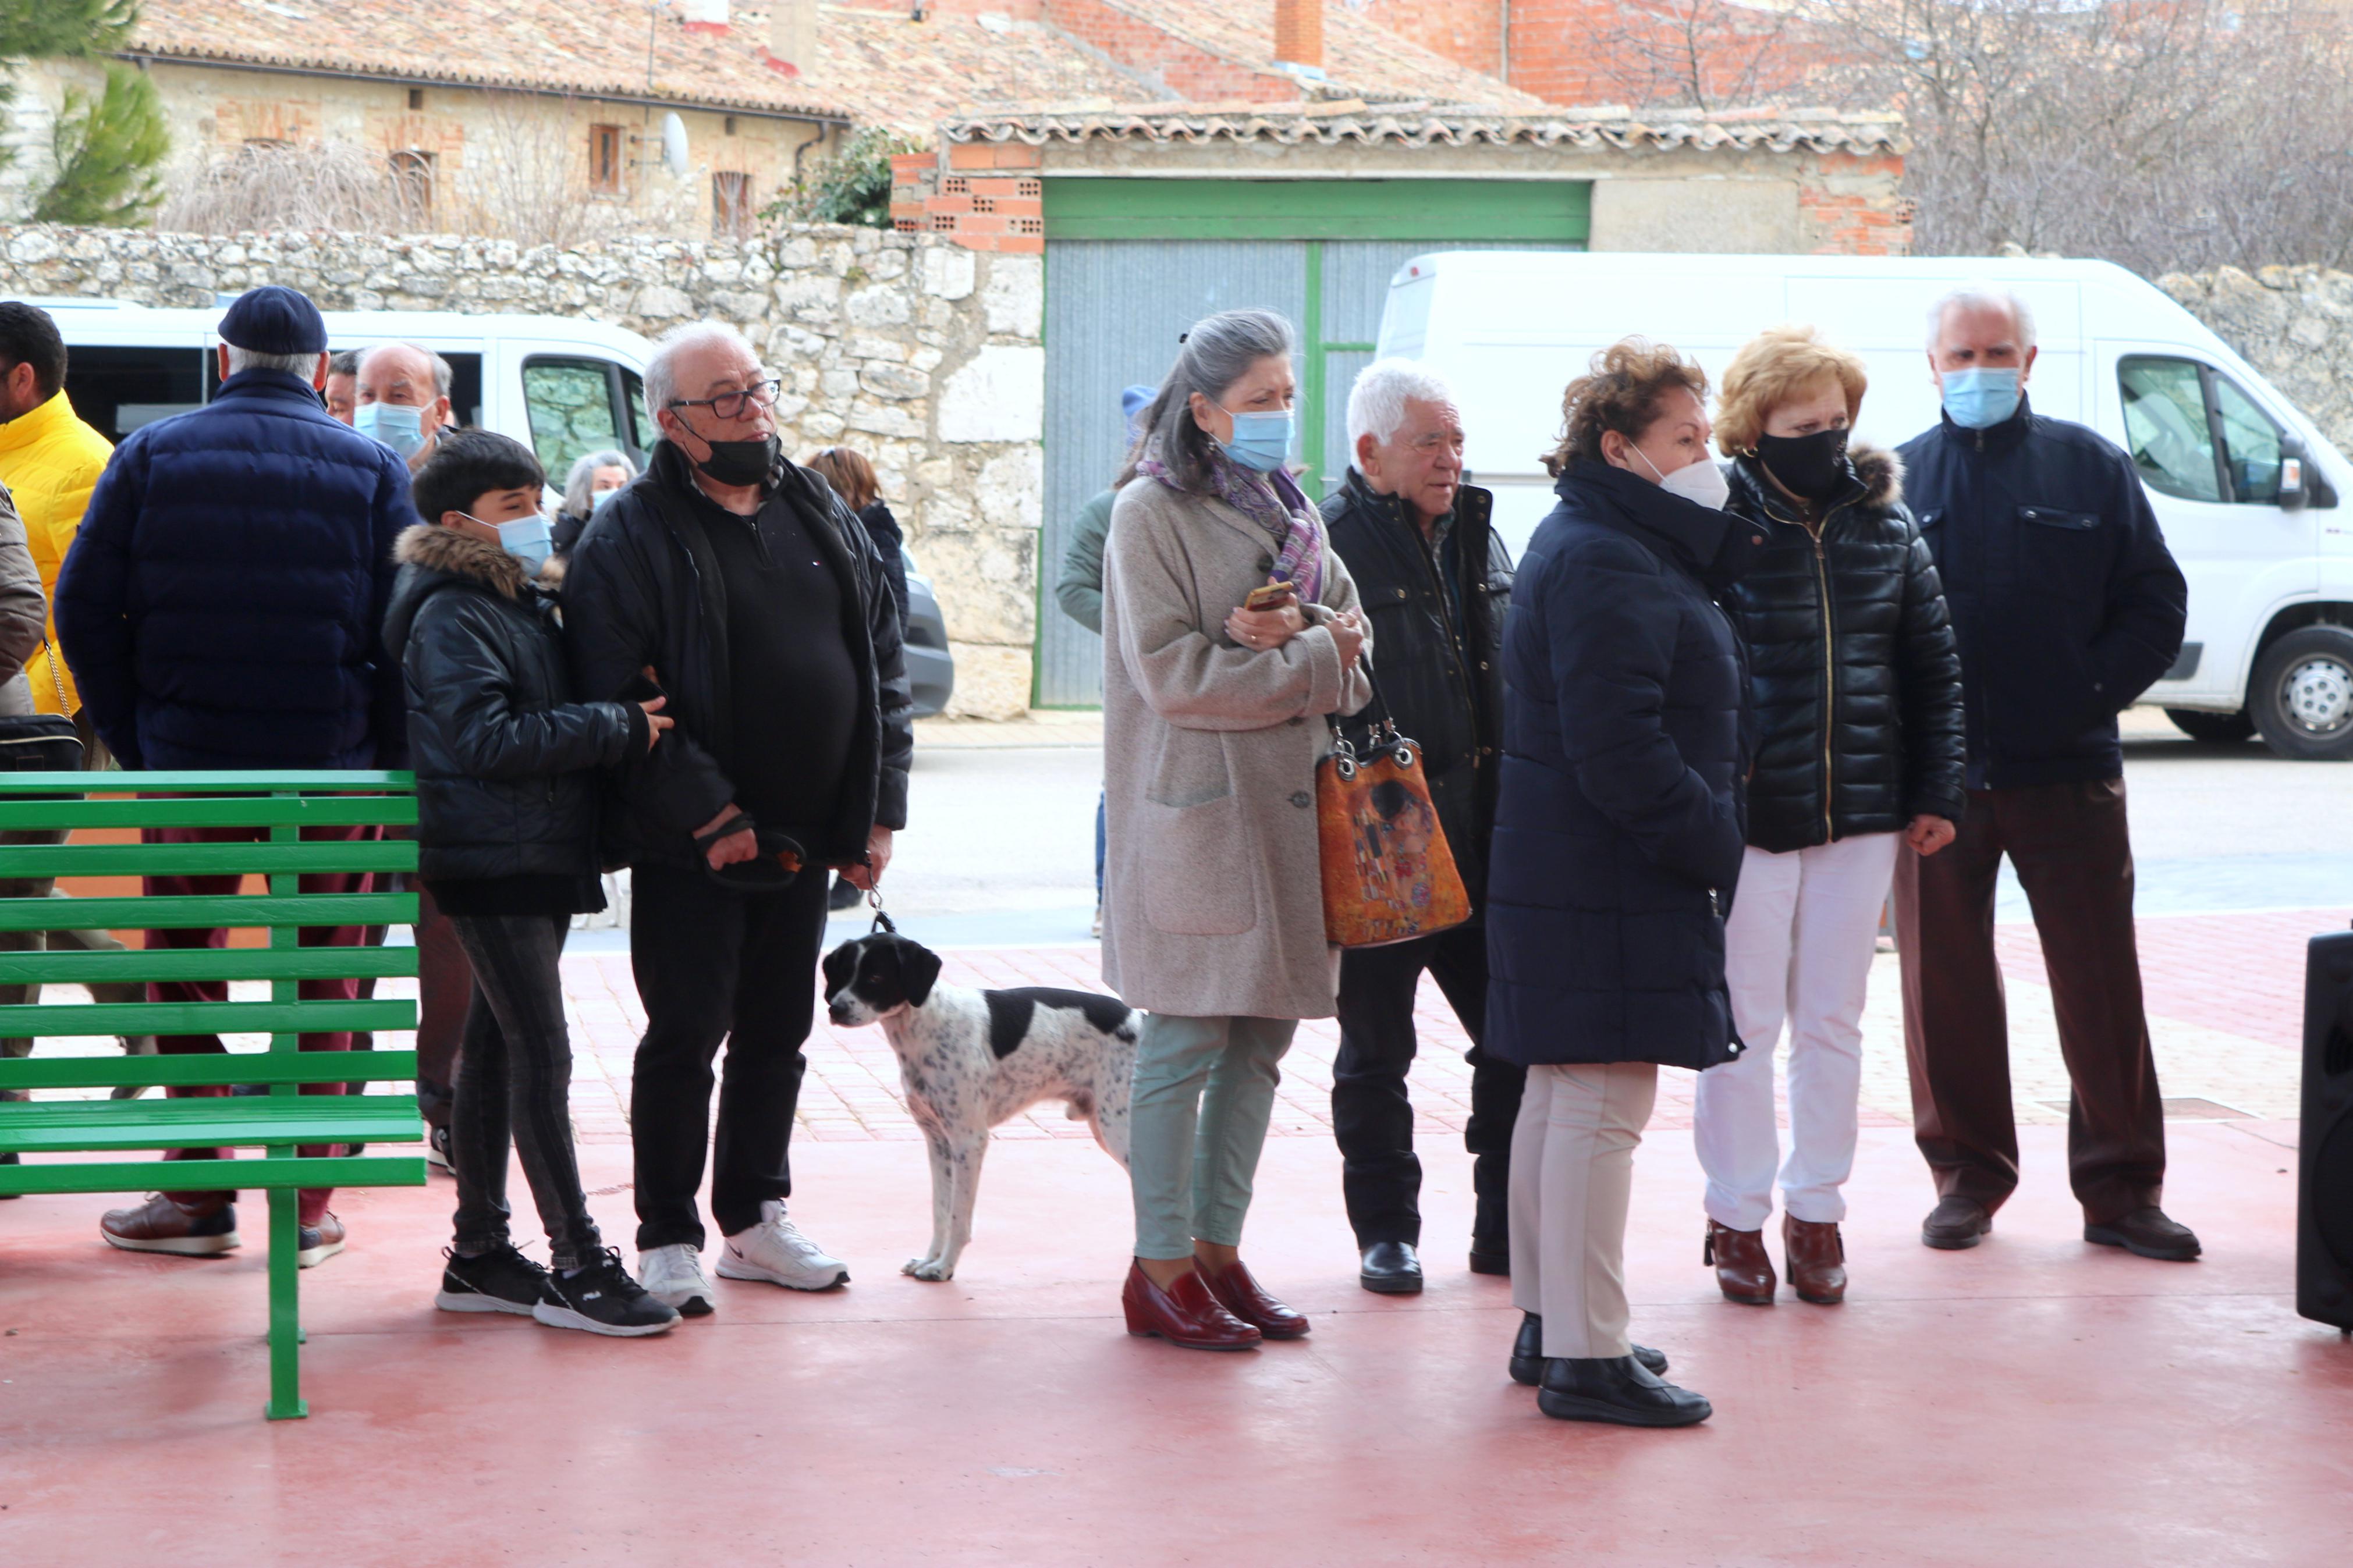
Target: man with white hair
(742, 588)
(2066, 606)
(1435, 582)
(401, 396)
(221, 608)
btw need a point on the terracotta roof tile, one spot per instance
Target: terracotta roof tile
(596, 48)
(1361, 58)
(1427, 124)
(873, 64)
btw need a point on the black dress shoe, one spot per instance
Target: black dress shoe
(1617, 1389)
(1528, 1357)
(1956, 1223)
(1390, 1268)
(2146, 1233)
(1490, 1257)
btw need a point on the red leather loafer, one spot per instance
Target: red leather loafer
(1743, 1271)
(1185, 1314)
(1242, 1296)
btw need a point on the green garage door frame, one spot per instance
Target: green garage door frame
(1326, 235)
(1442, 211)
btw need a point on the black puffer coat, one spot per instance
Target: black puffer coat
(1618, 837)
(505, 761)
(1440, 668)
(1851, 668)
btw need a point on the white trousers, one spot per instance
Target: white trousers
(1797, 950)
(1572, 1178)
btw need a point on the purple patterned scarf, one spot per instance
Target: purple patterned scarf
(1275, 503)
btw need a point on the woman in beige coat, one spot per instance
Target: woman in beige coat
(1213, 722)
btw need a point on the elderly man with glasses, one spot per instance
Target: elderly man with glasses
(742, 588)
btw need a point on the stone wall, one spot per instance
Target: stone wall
(2292, 323)
(921, 353)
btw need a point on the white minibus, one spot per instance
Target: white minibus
(562, 385)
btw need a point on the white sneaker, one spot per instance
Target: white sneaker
(775, 1250)
(673, 1275)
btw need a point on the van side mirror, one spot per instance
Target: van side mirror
(2294, 461)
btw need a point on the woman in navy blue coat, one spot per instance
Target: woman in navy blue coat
(1618, 839)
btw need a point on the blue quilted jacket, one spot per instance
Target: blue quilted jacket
(219, 606)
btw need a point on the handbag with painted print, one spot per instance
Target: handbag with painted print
(1388, 874)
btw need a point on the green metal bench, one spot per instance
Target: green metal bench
(276, 1122)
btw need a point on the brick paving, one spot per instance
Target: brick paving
(2224, 992)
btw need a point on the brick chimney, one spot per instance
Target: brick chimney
(704, 16)
(792, 36)
(1299, 34)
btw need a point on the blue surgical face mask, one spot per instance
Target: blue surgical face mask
(529, 540)
(1979, 397)
(1261, 441)
(396, 425)
(603, 499)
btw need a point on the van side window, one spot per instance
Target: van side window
(575, 409)
(120, 389)
(2251, 445)
(2166, 428)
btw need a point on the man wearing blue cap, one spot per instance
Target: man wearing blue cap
(1079, 590)
(220, 609)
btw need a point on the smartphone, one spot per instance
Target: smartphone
(1272, 596)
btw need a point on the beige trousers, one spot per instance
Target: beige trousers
(1572, 1177)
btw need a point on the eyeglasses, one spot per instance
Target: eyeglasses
(730, 404)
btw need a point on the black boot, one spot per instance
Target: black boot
(1490, 1236)
(1617, 1389)
(1528, 1357)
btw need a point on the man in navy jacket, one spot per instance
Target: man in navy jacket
(2067, 606)
(219, 609)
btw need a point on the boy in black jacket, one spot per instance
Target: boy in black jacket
(506, 799)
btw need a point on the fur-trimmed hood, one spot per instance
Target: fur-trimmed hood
(434, 560)
(460, 555)
(1877, 470)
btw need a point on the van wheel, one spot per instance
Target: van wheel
(2302, 696)
(2214, 729)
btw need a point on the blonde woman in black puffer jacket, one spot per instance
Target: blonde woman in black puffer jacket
(1854, 687)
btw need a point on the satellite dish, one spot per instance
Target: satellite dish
(674, 145)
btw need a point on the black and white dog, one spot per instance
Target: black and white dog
(971, 1059)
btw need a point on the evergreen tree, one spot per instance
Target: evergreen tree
(107, 150)
(107, 147)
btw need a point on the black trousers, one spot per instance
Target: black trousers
(515, 1084)
(715, 965)
(1371, 1116)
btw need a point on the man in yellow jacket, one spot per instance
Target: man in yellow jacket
(50, 459)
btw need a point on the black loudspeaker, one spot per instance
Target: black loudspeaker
(2324, 1206)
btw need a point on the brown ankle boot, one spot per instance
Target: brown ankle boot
(1817, 1258)
(1744, 1270)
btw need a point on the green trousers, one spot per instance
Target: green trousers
(1203, 1095)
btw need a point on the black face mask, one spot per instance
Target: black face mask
(741, 462)
(1810, 465)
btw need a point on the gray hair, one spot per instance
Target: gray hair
(443, 376)
(661, 371)
(304, 366)
(1218, 352)
(1985, 296)
(345, 361)
(577, 501)
(1376, 403)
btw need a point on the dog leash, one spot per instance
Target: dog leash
(883, 925)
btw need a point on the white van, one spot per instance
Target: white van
(561, 386)
(2245, 487)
